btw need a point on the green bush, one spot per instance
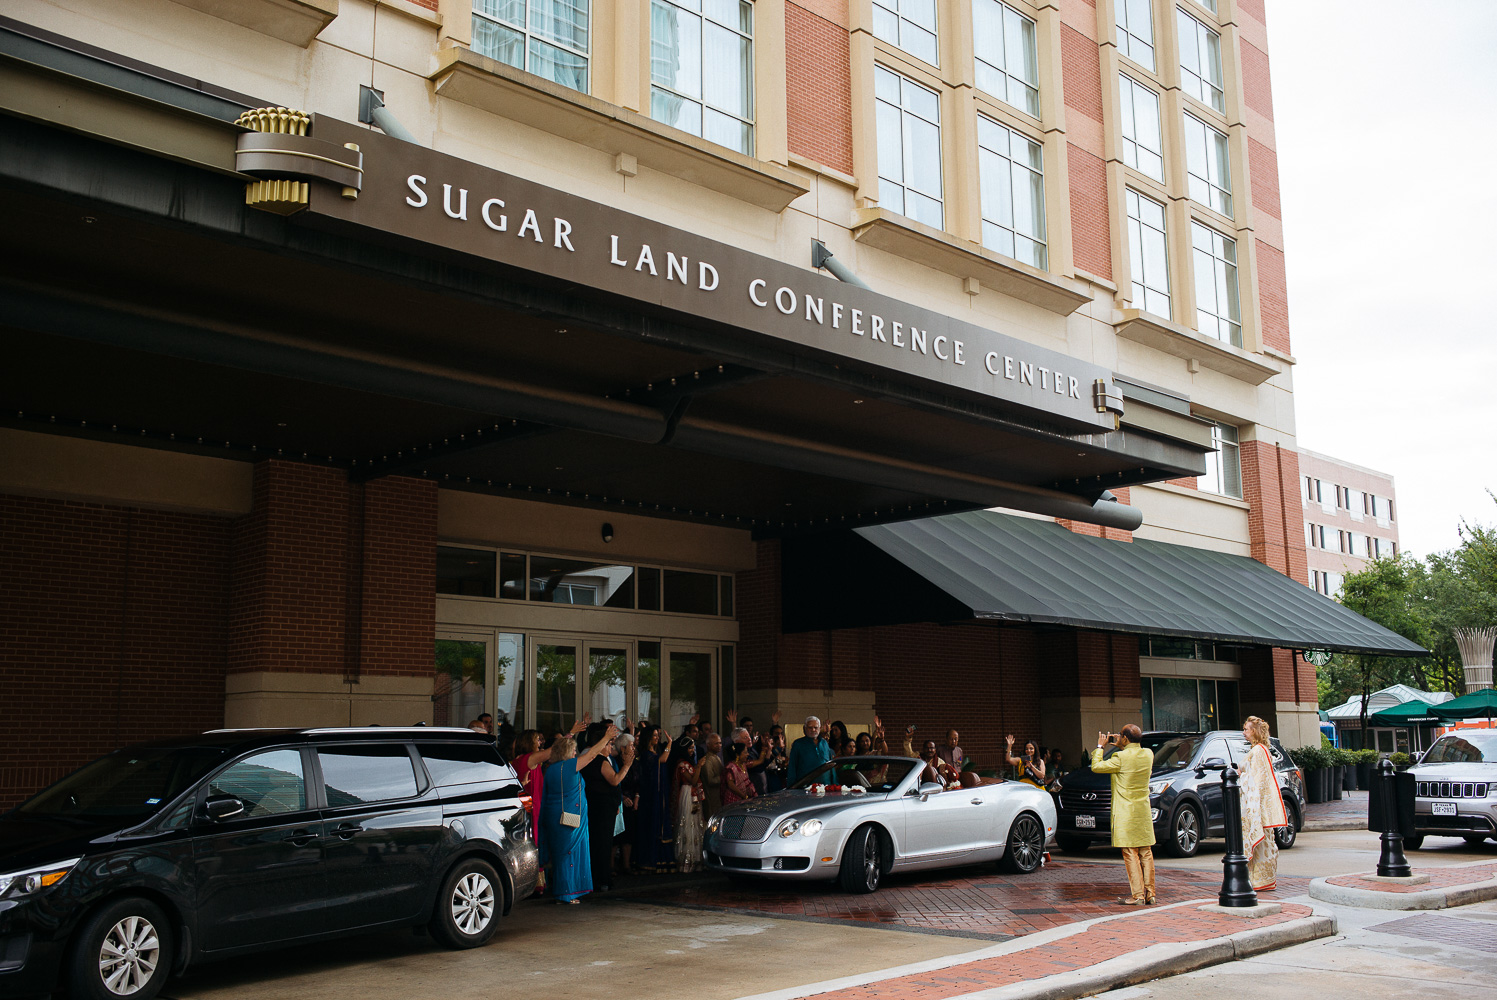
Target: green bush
(1308, 758)
(1367, 756)
(1400, 759)
(1325, 742)
(1342, 756)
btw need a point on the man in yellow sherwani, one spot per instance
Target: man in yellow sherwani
(1132, 819)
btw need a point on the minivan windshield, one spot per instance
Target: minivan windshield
(1470, 747)
(126, 787)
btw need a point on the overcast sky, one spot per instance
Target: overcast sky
(1386, 120)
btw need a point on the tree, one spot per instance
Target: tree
(1421, 600)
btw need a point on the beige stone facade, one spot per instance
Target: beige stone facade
(1351, 518)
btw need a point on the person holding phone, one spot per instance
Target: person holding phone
(1132, 819)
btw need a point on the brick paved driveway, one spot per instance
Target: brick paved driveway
(971, 902)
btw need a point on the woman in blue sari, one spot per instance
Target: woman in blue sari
(564, 846)
(654, 851)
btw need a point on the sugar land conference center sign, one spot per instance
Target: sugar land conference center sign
(421, 194)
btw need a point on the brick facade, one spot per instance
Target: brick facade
(121, 624)
(818, 85)
(115, 628)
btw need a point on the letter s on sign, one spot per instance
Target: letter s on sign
(414, 182)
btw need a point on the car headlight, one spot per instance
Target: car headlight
(24, 883)
(714, 824)
(789, 828)
(1157, 787)
(810, 828)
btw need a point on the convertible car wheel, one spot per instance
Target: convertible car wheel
(862, 860)
(1026, 845)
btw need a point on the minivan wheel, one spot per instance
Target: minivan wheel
(469, 905)
(862, 861)
(1185, 833)
(124, 950)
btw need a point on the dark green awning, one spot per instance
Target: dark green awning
(1410, 713)
(997, 567)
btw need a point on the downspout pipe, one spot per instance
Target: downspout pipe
(821, 257)
(372, 111)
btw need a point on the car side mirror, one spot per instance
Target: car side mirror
(929, 788)
(222, 807)
(1210, 764)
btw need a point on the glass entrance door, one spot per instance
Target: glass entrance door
(460, 686)
(689, 691)
(555, 685)
(607, 680)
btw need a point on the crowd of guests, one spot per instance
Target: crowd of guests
(625, 799)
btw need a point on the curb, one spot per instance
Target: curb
(1327, 825)
(1146, 964)
(1162, 960)
(1426, 899)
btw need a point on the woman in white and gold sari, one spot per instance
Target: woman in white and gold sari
(1262, 807)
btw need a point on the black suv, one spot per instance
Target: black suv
(162, 855)
(1184, 791)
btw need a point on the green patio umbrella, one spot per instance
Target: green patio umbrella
(1476, 705)
(1410, 713)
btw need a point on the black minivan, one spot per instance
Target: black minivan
(1184, 793)
(161, 855)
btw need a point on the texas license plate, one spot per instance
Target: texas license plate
(1442, 808)
(1086, 822)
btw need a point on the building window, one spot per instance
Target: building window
(909, 148)
(1218, 311)
(1380, 508)
(909, 24)
(1312, 489)
(1136, 31)
(1356, 502)
(702, 69)
(1013, 192)
(1208, 166)
(1208, 4)
(1224, 465)
(1314, 535)
(1143, 148)
(1201, 62)
(1147, 247)
(546, 37)
(1187, 704)
(1206, 160)
(1007, 66)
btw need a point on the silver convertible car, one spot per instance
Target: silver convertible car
(857, 818)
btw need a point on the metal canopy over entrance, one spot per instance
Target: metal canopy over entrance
(142, 302)
(1002, 568)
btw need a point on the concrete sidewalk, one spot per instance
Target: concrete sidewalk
(1346, 813)
(1082, 959)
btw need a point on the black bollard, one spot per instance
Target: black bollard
(1237, 888)
(1391, 863)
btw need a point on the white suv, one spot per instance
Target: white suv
(1455, 792)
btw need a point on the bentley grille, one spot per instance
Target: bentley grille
(744, 828)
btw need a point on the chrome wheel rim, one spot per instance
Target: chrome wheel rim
(1026, 843)
(472, 903)
(1187, 834)
(870, 859)
(129, 955)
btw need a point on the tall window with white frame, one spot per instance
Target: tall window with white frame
(1143, 145)
(1218, 311)
(1007, 65)
(909, 148)
(549, 38)
(1135, 20)
(909, 24)
(1012, 175)
(1224, 465)
(702, 69)
(1209, 165)
(1147, 247)
(1201, 61)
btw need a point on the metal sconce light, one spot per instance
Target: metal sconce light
(607, 532)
